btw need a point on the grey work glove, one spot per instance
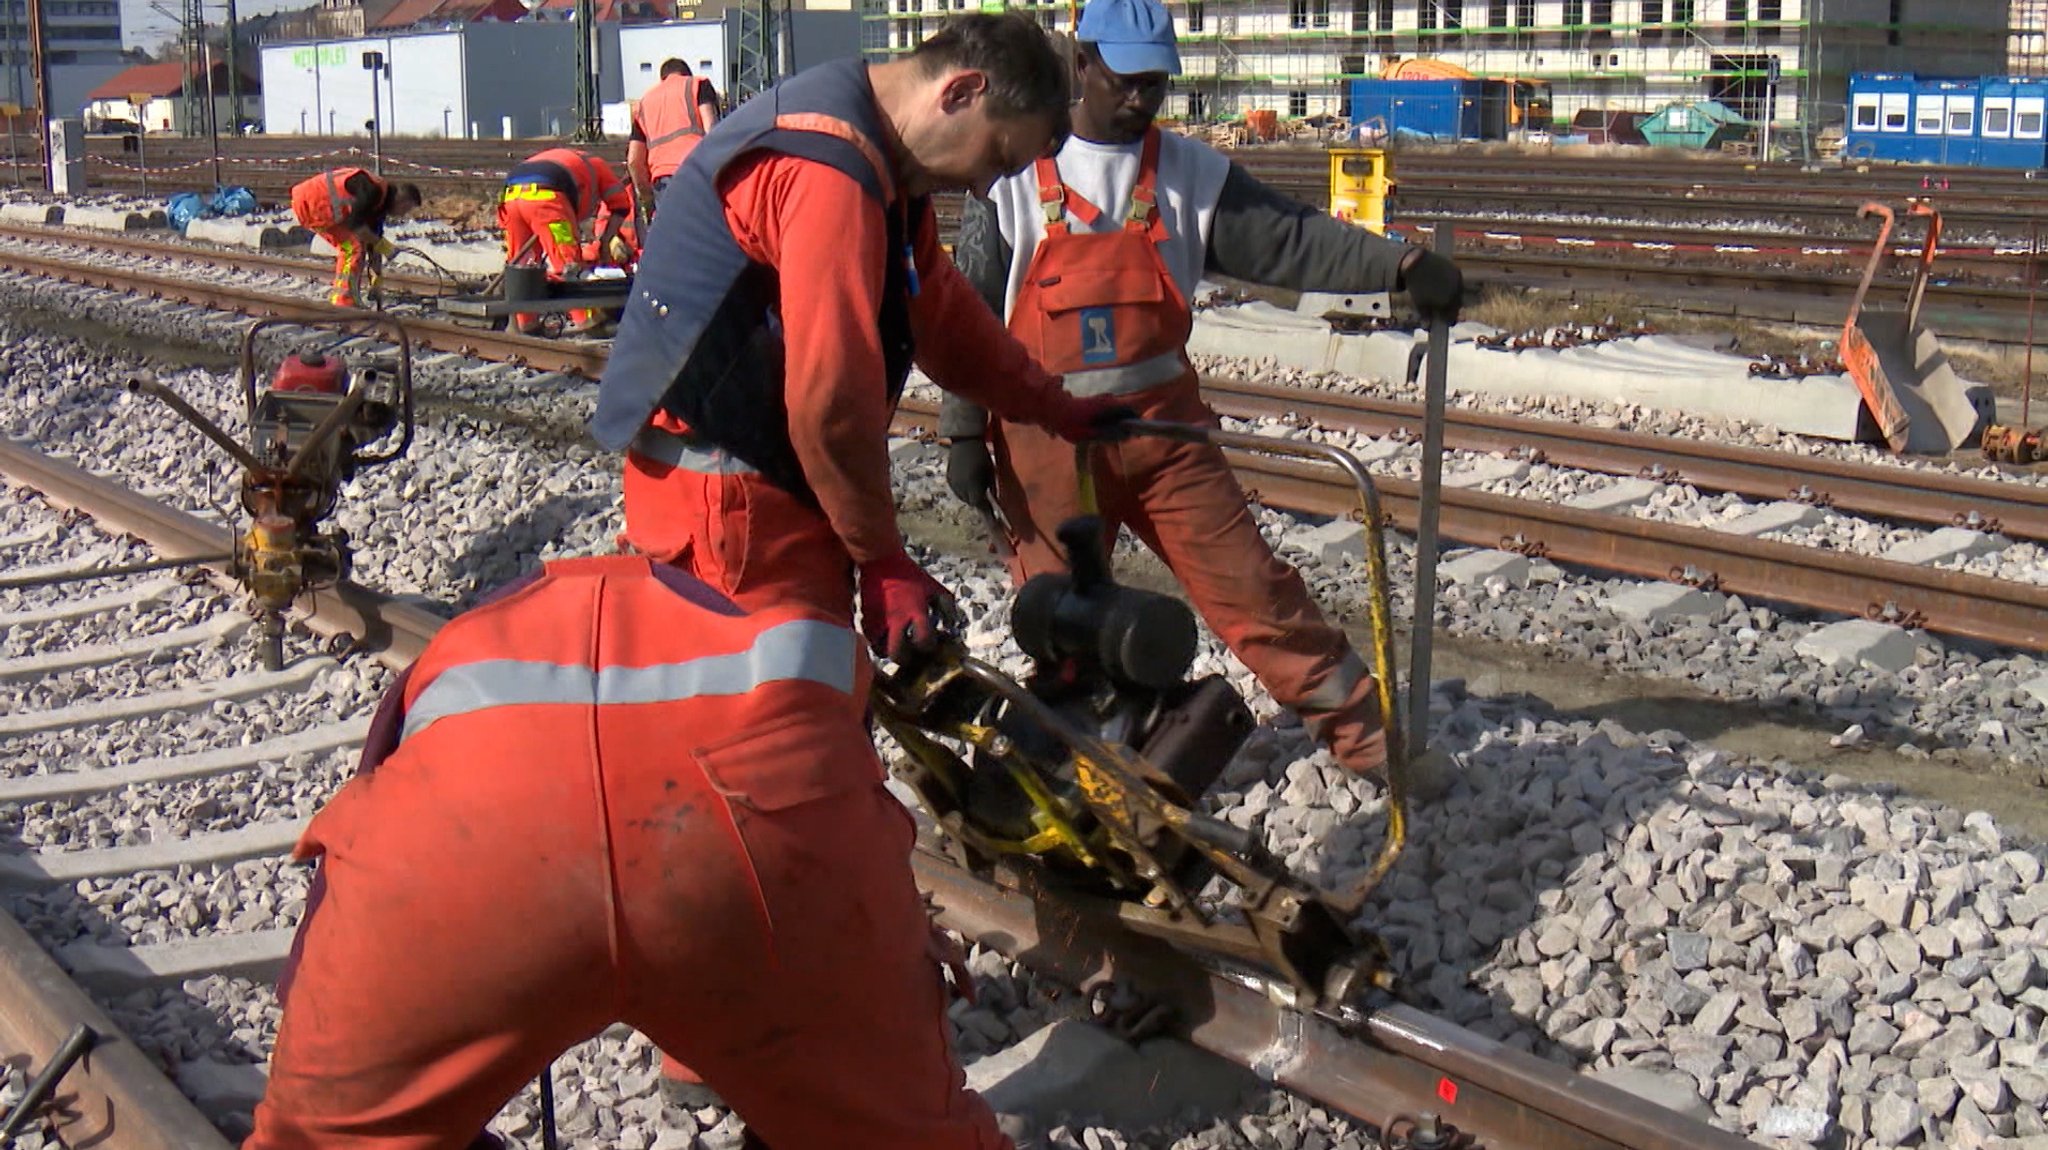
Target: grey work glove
(971, 472)
(1435, 285)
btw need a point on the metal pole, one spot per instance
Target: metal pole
(1422, 639)
(141, 152)
(39, 87)
(234, 82)
(13, 151)
(376, 121)
(2027, 386)
(212, 107)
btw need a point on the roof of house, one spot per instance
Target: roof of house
(407, 13)
(165, 79)
(611, 11)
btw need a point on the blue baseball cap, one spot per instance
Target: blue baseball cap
(1132, 36)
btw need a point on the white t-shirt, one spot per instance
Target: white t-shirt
(1189, 181)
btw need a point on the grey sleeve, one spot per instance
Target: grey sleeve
(983, 256)
(1265, 238)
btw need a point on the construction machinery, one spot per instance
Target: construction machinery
(1091, 770)
(1529, 101)
(311, 428)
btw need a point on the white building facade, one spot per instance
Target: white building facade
(1296, 56)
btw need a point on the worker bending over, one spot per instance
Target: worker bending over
(670, 119)
(348, 207)
(610, 795)
(548, 198)
(791, 280)
(1093, 255)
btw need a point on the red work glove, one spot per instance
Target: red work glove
(900, 604)
(1080, 420)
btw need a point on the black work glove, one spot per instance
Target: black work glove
(1435, 285)
(971, 472)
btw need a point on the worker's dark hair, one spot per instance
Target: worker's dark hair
(409, 192)
(1026, 76)
(674, 67)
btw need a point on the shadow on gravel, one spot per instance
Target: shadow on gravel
(501, 551)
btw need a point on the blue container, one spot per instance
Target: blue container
(1881, 117)
(1433, 109)
(2011, 131)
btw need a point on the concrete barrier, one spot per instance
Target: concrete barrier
(112, 219)
(476, 259)
(246, 234)
(1649, 371)
(31, 214)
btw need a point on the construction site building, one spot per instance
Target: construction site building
(1296, 57)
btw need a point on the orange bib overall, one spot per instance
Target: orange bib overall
(1103, 309)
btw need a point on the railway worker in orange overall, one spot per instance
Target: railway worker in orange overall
(1091, 256)
(548, 198)
(610, 795)
(793, 276)
(671, 118)
(348, 207)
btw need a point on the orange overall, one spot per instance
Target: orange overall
(610, 796)
(321, 205)
(535, 212)
(1102, 308)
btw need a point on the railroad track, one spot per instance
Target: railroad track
(1380, 1064)
(1994, 610)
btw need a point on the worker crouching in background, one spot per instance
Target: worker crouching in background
(1092, 256)
(348, 207)
(610, 795)
(548, 198)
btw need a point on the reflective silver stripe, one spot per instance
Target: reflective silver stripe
(1335, 690)
(1131, 377)
(805, 649)
(334, 197)
(687, 453)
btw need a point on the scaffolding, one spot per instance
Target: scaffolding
(2027, 44)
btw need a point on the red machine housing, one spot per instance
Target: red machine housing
(310, 371)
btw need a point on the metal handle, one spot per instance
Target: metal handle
(1379, 608)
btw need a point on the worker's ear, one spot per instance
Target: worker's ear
(961, 89)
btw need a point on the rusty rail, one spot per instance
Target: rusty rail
(2019, 510)
(1995, 610)
(1394, 1060)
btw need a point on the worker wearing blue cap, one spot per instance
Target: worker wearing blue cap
(1092, 255)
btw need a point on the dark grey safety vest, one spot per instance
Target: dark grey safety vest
(700, 337)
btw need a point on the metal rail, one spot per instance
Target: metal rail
(1998, 611)
(2020, 510)
(1393, 1060)
(1994, 610)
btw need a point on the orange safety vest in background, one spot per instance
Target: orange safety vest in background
(669, 119)
(1101, 308)
(323, 202)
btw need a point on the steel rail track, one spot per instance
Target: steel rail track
(1972, 606)
(2019, 510)
(1892, 493)
(1390, 1060)
(1994, 610)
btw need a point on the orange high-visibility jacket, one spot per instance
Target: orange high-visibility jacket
(665, 642)
(587, 180)
(669, 119)
(323, 202)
